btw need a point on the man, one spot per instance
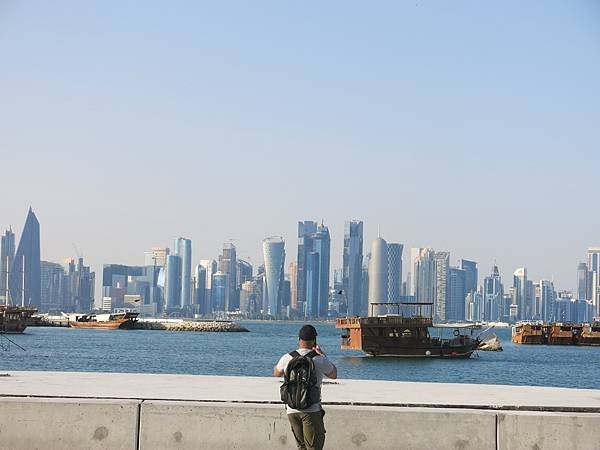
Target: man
(307, 424)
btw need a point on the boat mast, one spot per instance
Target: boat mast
(7, 290)
(23, 283)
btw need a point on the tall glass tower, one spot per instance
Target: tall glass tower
(274, 255)
(520, 293)
(317, 261)
(173, 282)
(352, 266)
(442, 294)
(26, 274)
(378, 276)
(594, 268)
(183, 249)
(305, 230)
(394, 255)
(493, 296)
(228, 266)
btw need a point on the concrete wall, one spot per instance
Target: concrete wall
(62, 423)
(50, 423)
(195, 425)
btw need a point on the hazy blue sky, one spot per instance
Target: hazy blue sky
(472, 127)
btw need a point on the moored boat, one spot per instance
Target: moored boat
(14, 319)
(556, 333)
(104, 321)
(406, 335)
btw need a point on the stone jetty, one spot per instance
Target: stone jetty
(190, 325)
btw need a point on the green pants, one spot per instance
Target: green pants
(308, 429)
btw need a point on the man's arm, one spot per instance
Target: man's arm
(333, 372)
(277, 372)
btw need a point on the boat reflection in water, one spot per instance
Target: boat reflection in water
(104, 321)
(407, 333)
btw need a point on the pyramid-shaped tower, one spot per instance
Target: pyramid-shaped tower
(25, 274)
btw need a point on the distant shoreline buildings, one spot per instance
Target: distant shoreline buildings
(167, 284)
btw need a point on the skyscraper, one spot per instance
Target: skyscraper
(457, 283)
(25, 275)
(394, 255)
(415, 254)
(157, 256)
(317, 286)
(274, 255)
(227, 265)
(220, 285)
(293, 271)
(378, 277)
(53, 288)
(352, 266)
(442, 266)
(200, 304)
(244, 272)
(493, 296)
(183, 249)
(173, 283)
(305, 229)
(7, 254)
(582, 281)
(80, 286)
(471, 275)
(547, 298)
(210, 265)
(424, 276)
(520, 293)
(594, 268)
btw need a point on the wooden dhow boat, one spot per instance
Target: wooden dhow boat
(104, 321)
(407, 335)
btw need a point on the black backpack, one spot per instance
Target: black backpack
(299, 389)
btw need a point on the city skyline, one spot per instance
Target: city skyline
(142, 257)
(229, 284)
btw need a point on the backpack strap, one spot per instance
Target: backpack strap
(294, 354)
(311, 354)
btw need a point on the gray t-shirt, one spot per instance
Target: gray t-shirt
(322, 366)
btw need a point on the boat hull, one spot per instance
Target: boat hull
(112, 325)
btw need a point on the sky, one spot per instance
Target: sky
(470, 127)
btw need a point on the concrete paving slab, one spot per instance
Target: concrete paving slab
(266, 390)
(58, 424)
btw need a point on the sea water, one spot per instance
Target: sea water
(255, 353)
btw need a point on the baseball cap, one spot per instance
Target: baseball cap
(307, 333)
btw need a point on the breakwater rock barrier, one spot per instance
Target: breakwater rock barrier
(190, 325)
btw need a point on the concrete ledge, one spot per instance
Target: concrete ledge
(49, 424)
(266, 390)
(196, 425)
(548, 431)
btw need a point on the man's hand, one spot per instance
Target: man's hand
(318, 350)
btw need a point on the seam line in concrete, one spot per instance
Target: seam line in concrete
(138, 425)
(567, 409)
(497, 432)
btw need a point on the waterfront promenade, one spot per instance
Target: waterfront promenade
(72, 410)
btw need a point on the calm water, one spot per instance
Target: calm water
(255, 353)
